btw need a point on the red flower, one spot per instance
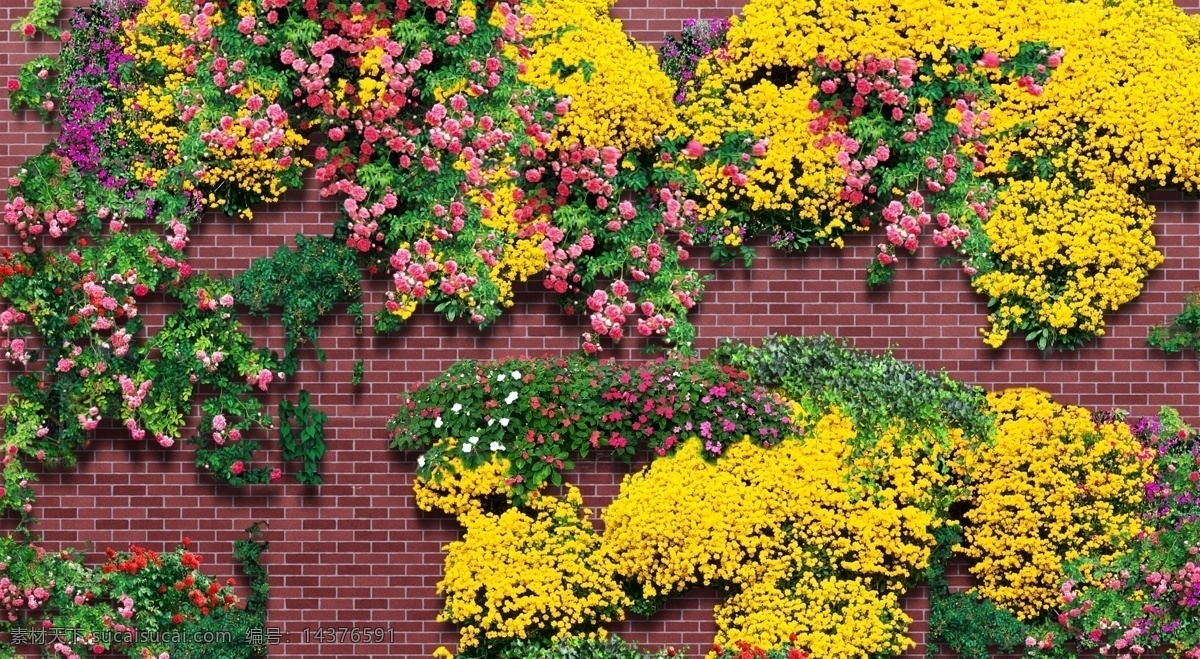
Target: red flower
(13, 84)
(29, 30)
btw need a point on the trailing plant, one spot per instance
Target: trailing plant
(306, 283)
(542, 414)
(77, 312)
(302, 436)
(54, 600)
(41, 18)
(1181, 332)
(356, 377)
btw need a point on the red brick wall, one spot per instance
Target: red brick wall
(357, 553)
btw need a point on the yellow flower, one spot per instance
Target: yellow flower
(1055, 486)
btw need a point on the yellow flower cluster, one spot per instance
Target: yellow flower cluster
(538, 571)
(156, 40)
(456, 490)
(802, 548)
(520, 258)
(1055, 486)
(620, 96)
(1067, 252)
(793, 176)
(1113, 119)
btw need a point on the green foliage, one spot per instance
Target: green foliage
(306, 283)
(1181, 332)
(41, 18)
(972, 626)
(966, 623)
(879, 274)
(302, 436)
(540, 414)
(356, 378)
(825, 373)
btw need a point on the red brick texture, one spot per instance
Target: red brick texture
(357, 553)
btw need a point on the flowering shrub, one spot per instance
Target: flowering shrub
(1144, 600)
(70, 609)
(84, 305)
(1079, 527)
(941, 418)
(1056, 487)
(538, 414)
(786, 532)
(558, 580)
(841, 110)
(464, 170)
(610, 647)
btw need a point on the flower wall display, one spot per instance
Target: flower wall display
(1081, 529)
(542, 414)
(139, 603)
(1060, 129)
(1055, 487)
(472, 148)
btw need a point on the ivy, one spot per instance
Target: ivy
(306, 284)
(302, 436)
(1181, 332)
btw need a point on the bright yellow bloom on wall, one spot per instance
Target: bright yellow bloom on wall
(1111, 121)
(620, 96)
(538, 570)
(1056, 486)
(804, 547)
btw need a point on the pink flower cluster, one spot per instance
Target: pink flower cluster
(27, 222)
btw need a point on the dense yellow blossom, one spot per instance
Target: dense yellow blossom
(1056, 486)
(803, 547)
(456, 490)
(533, 571)
(1113, 120)
(620, 96)
(520, 258)
(1068, 251)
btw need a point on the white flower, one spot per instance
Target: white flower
(516, 375)
(500, 378)
(421, 461)
(497, 446)
(437, 423)
(504, 422)
(491, 421)
(457, 407)
(473, 440)
(467, 448)
(512, 396)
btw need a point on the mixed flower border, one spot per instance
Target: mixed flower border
(476, 146)
(858, 478)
